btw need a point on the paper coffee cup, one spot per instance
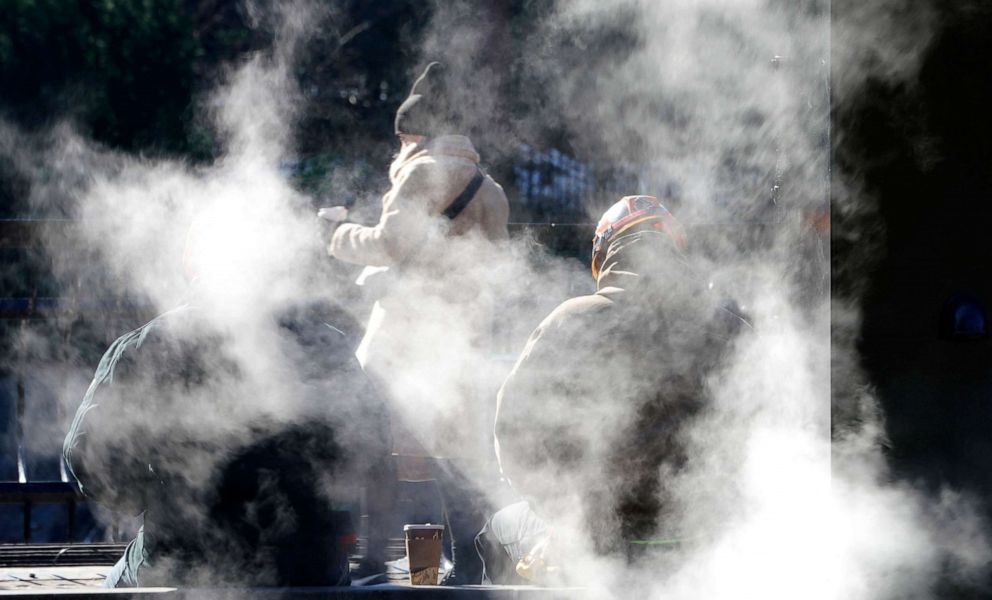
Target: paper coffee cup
(423, 551)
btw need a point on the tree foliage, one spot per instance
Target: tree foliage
(124, 71)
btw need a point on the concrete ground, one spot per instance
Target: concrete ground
(27, 579)
(82, 582)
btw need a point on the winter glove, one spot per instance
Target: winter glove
(538, 565)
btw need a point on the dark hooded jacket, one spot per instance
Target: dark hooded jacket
(231, 494)
(592, 412)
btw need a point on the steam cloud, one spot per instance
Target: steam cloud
(725, 99)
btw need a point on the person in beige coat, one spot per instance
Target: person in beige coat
(427, 263)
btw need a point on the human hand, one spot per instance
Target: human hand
(327, 221)
(334, 214)
(540, 564)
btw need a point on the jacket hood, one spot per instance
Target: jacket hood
(453, 145)
(457, 146)
(646, 262)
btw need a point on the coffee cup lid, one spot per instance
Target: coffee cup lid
(422, 527)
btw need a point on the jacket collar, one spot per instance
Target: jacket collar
(452, 145)
(445, 145)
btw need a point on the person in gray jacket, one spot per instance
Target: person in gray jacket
(242, 467)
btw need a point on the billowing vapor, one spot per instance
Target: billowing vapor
(731, 100)
(727, 102)
(235, 240)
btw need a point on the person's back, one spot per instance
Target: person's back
(593, 411)
(234, 478)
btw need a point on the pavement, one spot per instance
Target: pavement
(83, 583)
(27, 579)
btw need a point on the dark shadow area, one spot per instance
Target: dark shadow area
(923, 149)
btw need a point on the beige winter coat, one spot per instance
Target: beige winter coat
(427, 339)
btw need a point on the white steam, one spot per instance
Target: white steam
(717, 95)
(770, 505)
